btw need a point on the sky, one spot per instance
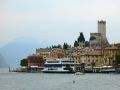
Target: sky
(57, 21)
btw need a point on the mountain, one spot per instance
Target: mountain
(19, 49)
(2, 62)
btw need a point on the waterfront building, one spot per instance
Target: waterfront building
(99, 56)
(88, 56)
(51, 53)
(92, 56)
(35, 61)
(57, 53)
(110, 55)
(44, 52)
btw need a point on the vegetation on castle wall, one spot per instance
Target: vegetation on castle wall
(65, 46)
(76, 44)
(92, 38)
(87, 44)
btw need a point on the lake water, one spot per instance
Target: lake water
(44, 81)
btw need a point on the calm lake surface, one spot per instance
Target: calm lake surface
(43, 81)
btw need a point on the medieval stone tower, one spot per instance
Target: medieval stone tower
(102, 28)
(102, 31)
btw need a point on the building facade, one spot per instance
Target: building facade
(35, 61)
(95, 39)
(110, 55)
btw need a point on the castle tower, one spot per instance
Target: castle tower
(102, 28)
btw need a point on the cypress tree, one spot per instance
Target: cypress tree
(65, 46)
(81, 38)
(76, 44)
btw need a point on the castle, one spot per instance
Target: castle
(97, 39)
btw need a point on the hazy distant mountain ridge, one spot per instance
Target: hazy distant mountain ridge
(19, 49)
(2, 62)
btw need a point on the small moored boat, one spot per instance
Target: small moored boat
(79, 73)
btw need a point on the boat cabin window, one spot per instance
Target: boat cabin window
(68, 61)
(52, 61)
(53, 65)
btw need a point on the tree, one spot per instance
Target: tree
(56, 46)
(59, 46)
(87, 44)
(76, 44)
(65, 46)
(24, 62)
(81, 38)
(92, 38)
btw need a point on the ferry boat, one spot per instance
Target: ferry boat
(59, 66)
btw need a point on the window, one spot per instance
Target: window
(52, 61)
(53, 65)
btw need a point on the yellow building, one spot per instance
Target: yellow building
(51, 53)
(109, 55)
(100, 57)
(57, 53)
(88, 56)
(43, 52)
